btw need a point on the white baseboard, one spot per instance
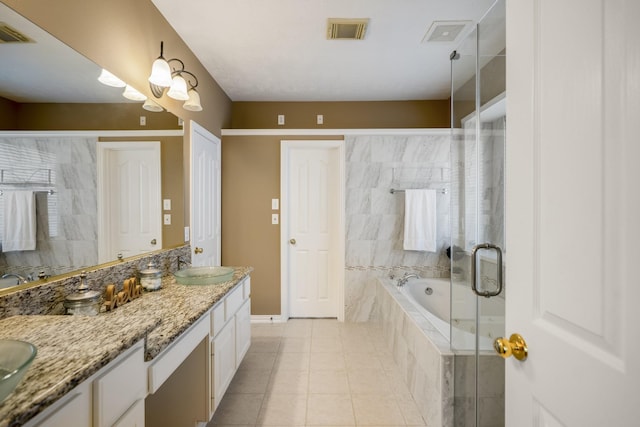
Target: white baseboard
(266, 318)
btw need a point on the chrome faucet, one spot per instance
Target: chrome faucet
(21, 279)
(404, 279)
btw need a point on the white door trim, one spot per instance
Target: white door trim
(285, 147)
(104, 234)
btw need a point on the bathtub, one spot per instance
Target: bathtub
(419, 340)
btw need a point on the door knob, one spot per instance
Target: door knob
(292, 241)
(154, 241)
(515, 345)
(198, 250)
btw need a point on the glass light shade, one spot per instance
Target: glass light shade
(132, 94)
(178, 89)
(160, 73)
(151, 105)
(193, 103)
(106, 78)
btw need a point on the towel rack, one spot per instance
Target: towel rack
(49, 192)
(440, 190)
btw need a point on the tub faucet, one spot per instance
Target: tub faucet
(404, 279)
(21, 279)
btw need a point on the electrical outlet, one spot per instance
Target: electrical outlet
(166, 219)
(280, 119)
(320, 119)
(274, 219)
(166, 204)
(143, 120)
(275, 204)
(186, 234)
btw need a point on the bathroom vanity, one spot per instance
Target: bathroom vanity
(98, 371)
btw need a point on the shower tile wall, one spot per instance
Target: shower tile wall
(67, 219)
(375, 217)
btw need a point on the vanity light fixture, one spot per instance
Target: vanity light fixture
(106, 78)
(181, 89)
(151, 105)
(133, 94)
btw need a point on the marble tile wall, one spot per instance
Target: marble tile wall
(67, 219)
(375, 217)
(48, 297)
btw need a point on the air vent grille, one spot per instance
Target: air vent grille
(346, 29)
(445, 31)
(9, 34)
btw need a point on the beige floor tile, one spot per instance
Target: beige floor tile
(292, 362)
(362, 361)
(295, 345)
(330, 410)
(376, 410)
(288, 382)
(238, 409)
(258, 361)
(326, 345)
(265, 344)
(368, 381)
(357, 345)
(283, 410)
(327, 361)
(298, 328)
(267, 329)
(328, 382)
(325, 328)
(249, 381)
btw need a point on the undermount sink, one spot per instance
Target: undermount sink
(15, 358)
(203, 275)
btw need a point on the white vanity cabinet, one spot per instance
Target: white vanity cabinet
(230, 339)
(110, 397)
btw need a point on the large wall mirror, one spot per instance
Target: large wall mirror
(62, 139)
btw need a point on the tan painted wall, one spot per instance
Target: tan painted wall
(8, 113)
(124, 37)
(250, 179)
(34, 116)
(342, 115)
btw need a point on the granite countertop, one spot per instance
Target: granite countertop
(72, 348)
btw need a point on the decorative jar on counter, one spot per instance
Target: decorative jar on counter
(151, 278)
(85, 301)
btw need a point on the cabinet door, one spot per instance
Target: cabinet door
(243, 331)
(224, 360)
(73, 410)
(134, 417)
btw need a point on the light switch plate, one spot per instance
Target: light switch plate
(275, 204)
(186, 234)
(166, 204)
(280, 119)
(275, 219)
(166, 219)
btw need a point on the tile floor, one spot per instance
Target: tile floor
(317, 373)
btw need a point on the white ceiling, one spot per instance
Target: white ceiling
(276, 50)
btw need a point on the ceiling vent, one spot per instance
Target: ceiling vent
(9, 34)
(346, 29)
(445, 31)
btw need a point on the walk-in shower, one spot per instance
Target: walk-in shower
(478, 253)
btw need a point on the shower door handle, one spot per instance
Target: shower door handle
(474, 278)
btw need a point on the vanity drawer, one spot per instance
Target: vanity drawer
(217, 319)
(116, 390)
(233, 302)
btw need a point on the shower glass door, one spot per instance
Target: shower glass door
(477, 220)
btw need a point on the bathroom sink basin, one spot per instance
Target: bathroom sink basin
(15, 359)
(203, 275)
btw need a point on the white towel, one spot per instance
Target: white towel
(420, 220)
(19, 221)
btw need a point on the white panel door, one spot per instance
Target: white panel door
(573, 212)
(205, 197)
(130, 205)
(313, 229)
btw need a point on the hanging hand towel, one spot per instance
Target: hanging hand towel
(420, 220)
(19, 221)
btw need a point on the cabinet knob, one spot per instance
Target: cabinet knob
(292, 241)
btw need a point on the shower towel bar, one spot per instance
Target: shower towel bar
(50, 192)
(440, 190)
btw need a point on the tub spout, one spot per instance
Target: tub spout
(404, 279)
